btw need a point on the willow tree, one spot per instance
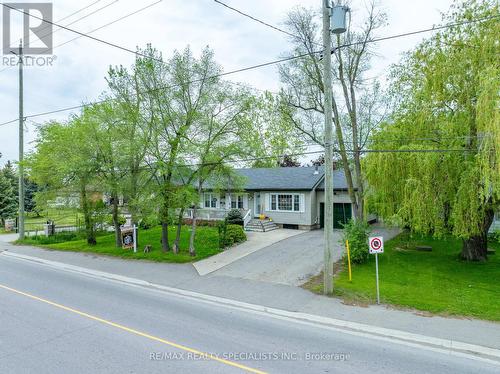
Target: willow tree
(447, 102)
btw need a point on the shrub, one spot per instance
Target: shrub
(121, 219)
(230, 234)
(222, 229)
(148, 222)
(494, 236)
(357, 234)
(235, 217)
(235, 234)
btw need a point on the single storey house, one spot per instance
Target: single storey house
(292, 197)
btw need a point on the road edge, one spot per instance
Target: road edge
(458, 348)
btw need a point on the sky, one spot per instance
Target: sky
(78, 71)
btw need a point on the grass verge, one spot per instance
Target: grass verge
(437, 282)
(206, 244)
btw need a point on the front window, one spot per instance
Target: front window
(210, 200)
(236, 201)
(285, 202)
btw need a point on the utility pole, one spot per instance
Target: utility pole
(21, 145)
(328, 140)
(338, 18)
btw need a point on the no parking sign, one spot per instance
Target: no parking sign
(376, 244)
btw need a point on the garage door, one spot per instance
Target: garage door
(342, 213)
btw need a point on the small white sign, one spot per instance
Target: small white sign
(376, 244)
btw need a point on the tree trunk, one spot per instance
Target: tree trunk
(475, 248)
(164, 237)
(192, 250)
(175, 247)
(116, 220)
(89, 225)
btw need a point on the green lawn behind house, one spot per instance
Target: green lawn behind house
(206, 244)
(60, 216)
(435, 281)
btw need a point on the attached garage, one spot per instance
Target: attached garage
(342, 213)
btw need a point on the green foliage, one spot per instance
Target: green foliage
(431, 281)
(8, 196)
(149, 221)
(234, 216)
(230, 234)
(447, 98)
(357, 233)
(222, 230)
(205, 241)
(494, 236)
(235, 234)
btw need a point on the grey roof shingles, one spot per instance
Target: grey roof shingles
(288, 178)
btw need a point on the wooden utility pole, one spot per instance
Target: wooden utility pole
(328, 140)
(20, 222)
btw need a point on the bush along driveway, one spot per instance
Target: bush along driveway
(206, 243)
(436, 281)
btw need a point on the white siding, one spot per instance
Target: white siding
(302, 217)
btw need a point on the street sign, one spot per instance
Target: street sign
(376, 244)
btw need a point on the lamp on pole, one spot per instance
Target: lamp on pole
(337, 14)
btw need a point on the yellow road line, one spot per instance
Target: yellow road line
(136, 332)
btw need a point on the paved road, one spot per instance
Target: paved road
(58, 322)
(291, 261)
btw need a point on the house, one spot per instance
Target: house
(292, 197)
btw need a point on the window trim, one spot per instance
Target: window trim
(275, 197)
(238, 197)
(213, 196)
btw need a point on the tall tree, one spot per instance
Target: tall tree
(128, 88)
(177, 90)
(357, 104)
(64, 162)
(270, 134)
(8, 200)
(447, 98)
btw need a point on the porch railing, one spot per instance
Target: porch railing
(213, 214)
(247, 218)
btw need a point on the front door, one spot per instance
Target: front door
(256, 204)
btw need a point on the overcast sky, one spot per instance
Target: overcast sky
(78, 72)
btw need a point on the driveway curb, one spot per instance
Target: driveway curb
(448, 346)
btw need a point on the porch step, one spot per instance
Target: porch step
(261, 225)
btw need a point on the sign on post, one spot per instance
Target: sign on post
(376, 246)
(129, 238)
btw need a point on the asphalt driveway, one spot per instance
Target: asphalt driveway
(291, 261)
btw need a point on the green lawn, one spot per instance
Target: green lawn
(435, 281)
(61, 217)
(206, 244)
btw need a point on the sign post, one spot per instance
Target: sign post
(376, 246)
(135, 238)
(348, 259)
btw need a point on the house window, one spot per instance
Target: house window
(210, 200)
(285, 202)
(236, 201)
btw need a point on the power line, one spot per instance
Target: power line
(259, 20)
(66, 17)
(82, 34)
(252, 67)
(111, 23)
(81, 18)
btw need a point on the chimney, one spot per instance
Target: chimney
(316, 171)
